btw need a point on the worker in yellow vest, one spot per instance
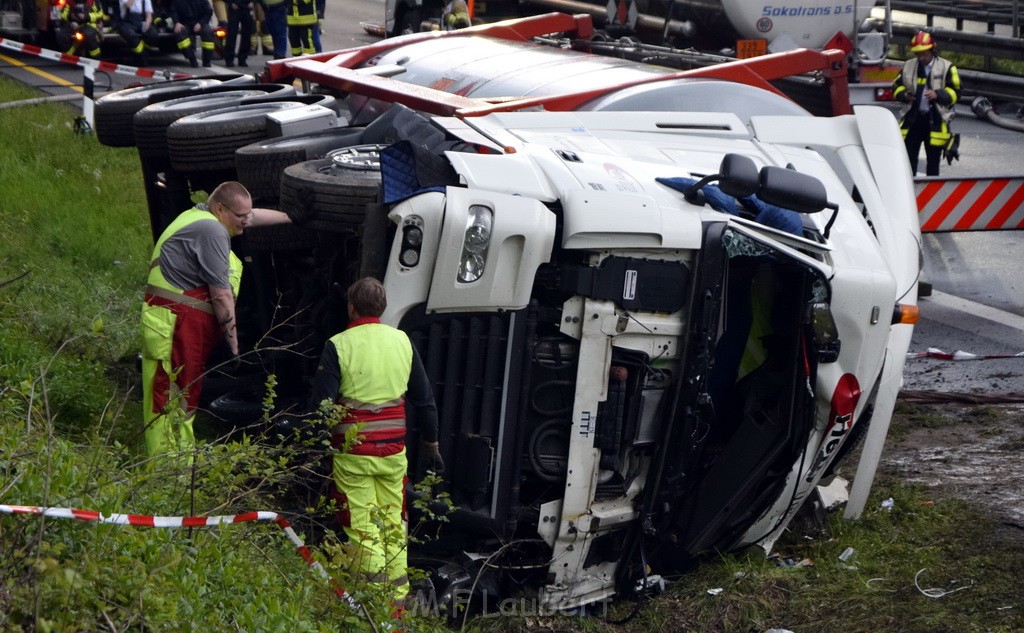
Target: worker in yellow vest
(373, 370)
(189, 306)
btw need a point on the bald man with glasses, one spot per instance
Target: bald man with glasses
(189, 306)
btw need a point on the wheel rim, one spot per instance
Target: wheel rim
(356, 158)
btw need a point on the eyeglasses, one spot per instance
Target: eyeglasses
(240, 216)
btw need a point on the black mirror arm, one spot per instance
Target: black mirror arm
(831, 220)
(692, 193)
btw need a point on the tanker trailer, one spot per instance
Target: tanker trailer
(696, 33)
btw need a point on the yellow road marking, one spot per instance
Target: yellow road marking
(41, 73)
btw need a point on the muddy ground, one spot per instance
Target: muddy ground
(974, 453)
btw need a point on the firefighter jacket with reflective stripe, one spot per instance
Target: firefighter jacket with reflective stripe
(83, 13)
(943, 79)
(302, 13)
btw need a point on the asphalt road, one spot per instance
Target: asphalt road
(978, 303)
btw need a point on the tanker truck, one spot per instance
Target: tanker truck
(693, 33)
(656, 307)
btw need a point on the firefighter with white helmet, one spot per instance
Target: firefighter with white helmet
(929, 86)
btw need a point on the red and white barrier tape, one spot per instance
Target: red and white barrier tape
(141, 520)
(934, 352)
(64, 58)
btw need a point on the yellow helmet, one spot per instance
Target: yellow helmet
(921, 42)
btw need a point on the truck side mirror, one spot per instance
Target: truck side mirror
(739, 177)
(792, 190)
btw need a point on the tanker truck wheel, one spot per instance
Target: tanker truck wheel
(113, 112)
(206, 141)
(261, 164)
(151, 122)
(338, 187)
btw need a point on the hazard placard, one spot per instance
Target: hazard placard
(745, 49)
(970, 204)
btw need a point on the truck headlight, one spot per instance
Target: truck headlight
(475, 243)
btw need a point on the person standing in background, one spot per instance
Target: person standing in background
(240, 27)
(929, 86)
(302, 27)
(275, 14)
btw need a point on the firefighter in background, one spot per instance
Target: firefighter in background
(374, 371)
(304, 26)
(455, 15)
(136, 27)
(275, 22)
(929, 86)
(261, 39)
(240, 28)
(81, 28)
(191, 18)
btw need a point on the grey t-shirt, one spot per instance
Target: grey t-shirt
(197, 255)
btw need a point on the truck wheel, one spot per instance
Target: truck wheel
(206, 141)
(151, 122)
(261, 164)
(113, 112)
(337, 187)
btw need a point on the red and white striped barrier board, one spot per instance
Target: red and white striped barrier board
(141, 520)
(76, 60)
(980, 204)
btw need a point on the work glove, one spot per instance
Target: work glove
(303, 210)
(951, 151)
(432, 456)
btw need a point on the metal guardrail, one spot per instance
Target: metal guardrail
(989, 12)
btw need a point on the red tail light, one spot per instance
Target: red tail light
(883, 94)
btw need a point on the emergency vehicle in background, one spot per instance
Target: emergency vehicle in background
(635, 362)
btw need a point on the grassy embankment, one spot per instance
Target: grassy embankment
(75, 242)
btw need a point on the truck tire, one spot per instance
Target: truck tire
(151, 122)
(113, 112)
(337, 193)
(261, 164)
(326, 101)
(206, 141)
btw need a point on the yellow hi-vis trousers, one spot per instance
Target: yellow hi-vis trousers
(373, 487)
(165, 432)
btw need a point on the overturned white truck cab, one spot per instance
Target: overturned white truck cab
(651, 324)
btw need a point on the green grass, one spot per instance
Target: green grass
(75, 243)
